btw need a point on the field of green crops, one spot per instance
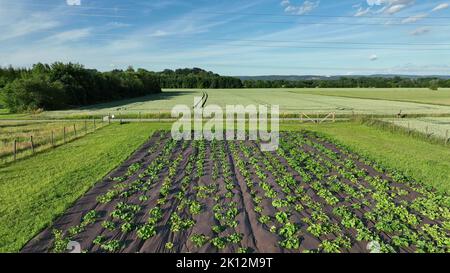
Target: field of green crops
(419, 95)
(44, 186)
(290, 101)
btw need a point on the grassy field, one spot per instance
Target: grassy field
(4, 114)
(437, 127)
(36, 190)
(290, 101)
(21, 132)
(418, 95)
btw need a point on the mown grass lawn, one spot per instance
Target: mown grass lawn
(34, 191)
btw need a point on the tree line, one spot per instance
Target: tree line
(61, 86)
(349, 82)
(196, 78)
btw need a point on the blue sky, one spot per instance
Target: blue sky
(232, 37)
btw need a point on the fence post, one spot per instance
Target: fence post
(426, 130)
(15, 149)
(64, 135)
(446, 137)
(53, 139)
(32, 144)
(75, 130)
(85, 126)
(94, 123)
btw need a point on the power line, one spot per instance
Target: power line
(203, 40)
(86, 7)
(321, 15)
(240, 20)
(325, 23)
(319, 42)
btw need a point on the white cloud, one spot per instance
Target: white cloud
(390, 6)
(70, 35)
(303, 8)
(394, 9)
(361, 11)
(441, 7)
(389, 2)
(35, 23)
(414, 18)
(159, 33)
(73, 2)
(420, 31)
(373, 57)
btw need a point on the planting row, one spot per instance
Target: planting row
(228, 196)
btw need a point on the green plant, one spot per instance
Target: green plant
(109, 225)
(169, 245)
(111, 246)
(290, 243)
(199, 240)
(99, 240)
(264, 219)
(60, 243)
(282, 217)
(219, 242)
(195, 207)
(235, 238)
(126, 227)
(177, 223)
(218, 229)
(243, 250)
(146, 231)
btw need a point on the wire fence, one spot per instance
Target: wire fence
(437, 128)
(19, 147)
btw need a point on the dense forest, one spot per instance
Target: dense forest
(62, 86)
(196, 78)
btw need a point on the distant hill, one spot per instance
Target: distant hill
(313, 77)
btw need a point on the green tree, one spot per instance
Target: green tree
(32, 93)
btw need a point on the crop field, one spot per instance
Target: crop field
(311, 195)
(438, 127)
(418, 95)
(291, 101)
